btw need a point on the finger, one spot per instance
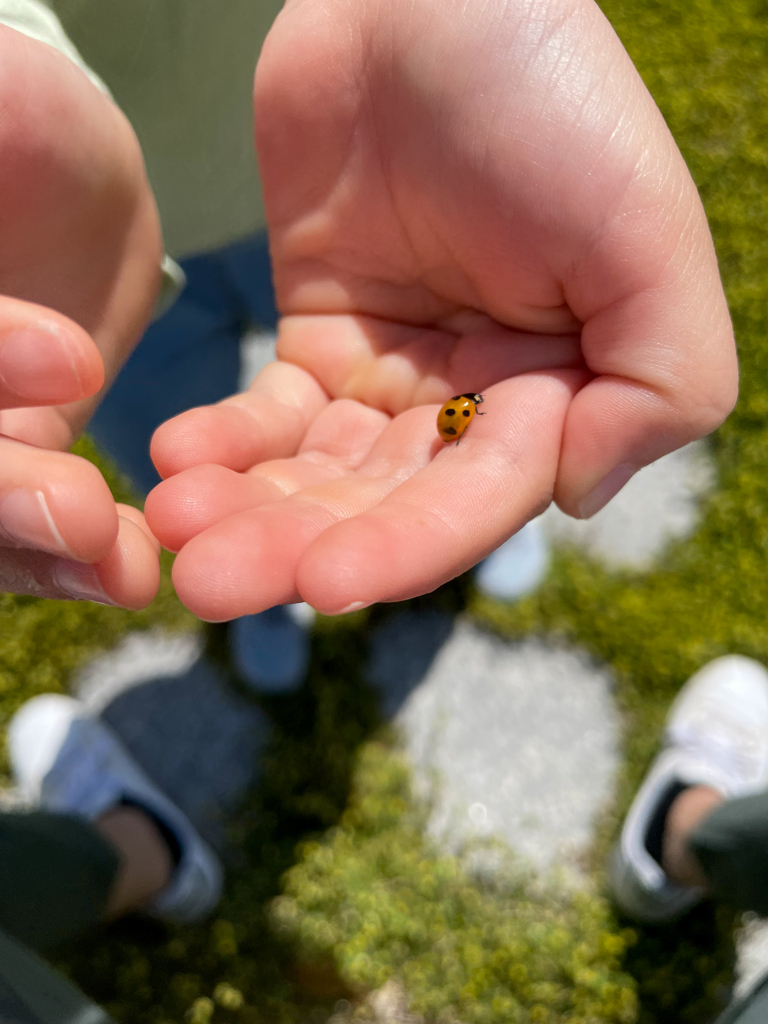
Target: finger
(393, 366)
(666, 374)
(43, 427)
(268, 421)
(657, 334)
(54, 502)
(446, 518)
(192, 501)
(133, 515)
(45, 358)
(129, 575)
(247, 563)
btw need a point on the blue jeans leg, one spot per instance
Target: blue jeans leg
(190, 357)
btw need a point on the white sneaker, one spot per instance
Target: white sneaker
(64, 760)
(716, 735)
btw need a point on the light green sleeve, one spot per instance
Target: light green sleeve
(36, 20)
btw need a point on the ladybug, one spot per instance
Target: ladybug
(456, 415)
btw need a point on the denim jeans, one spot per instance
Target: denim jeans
(190, 356)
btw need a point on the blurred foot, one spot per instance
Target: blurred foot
(517, 567)
(271, 650)
(715, 748)
(68, 762)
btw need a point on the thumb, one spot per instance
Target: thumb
(45, 358)
(658, 338)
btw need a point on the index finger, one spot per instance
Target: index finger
(268, 421)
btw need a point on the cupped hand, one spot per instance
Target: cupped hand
(79, 272)
(461, 197)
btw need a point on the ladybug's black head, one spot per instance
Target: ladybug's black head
(477, 399)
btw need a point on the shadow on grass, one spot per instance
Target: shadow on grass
(143, 972)
(683, 971)
(146, 973)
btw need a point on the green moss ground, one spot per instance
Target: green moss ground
(365, 897)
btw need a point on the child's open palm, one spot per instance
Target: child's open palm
(461, 197)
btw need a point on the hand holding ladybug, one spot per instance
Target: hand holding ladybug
(463, 199)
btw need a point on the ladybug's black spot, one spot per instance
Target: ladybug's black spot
(465, 412)
(449, 430)
(456, 398)
(450, 412)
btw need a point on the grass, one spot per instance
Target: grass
(336, 889)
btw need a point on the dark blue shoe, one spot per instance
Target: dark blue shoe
(271, 650)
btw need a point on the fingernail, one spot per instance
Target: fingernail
(79, 581)
(26, 521)
(609, 486)
(354, 607)
(39, 363)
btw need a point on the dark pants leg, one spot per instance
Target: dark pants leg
(731, 844)
(56, 871)
(751, 1010)
(31, 992)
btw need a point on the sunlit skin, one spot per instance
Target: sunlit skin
(461, 196)
(79, 273)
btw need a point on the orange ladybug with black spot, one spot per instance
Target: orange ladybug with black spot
(456, 415)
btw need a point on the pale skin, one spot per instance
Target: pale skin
(688, 811)
(461, 197)
(146, 867)
(79, 273)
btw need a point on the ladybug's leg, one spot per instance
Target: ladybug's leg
(478, 413)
